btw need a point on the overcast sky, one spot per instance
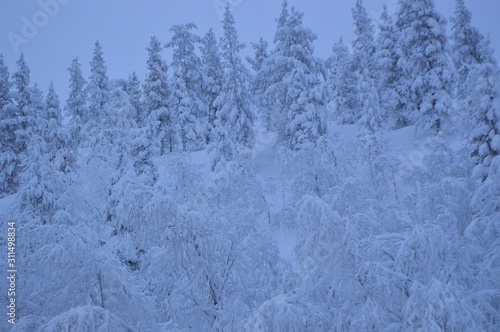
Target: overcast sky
(124, 27)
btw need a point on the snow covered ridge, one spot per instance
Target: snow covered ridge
(361, 192)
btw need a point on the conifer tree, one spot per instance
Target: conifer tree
(428, 72)
(8, 125)
(27, 105)
(466, 41)
(234, 123)
(364, 40)
(342, 82)
(213, 76)
(133, 89)
(156, 100)
(57, 138)
(41, 183)
(388, 73)
(98, 88)
(5, 84)
(484, 102)
(306, 90)
(76, 102)
(260, 50)
(291, 84)
(187, 87)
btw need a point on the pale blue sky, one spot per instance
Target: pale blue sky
(124, 28)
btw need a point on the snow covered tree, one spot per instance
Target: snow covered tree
(5, 84)
(76, 102)
(58, 138)
(484, 103)
(52, 113)
(156, 99)
(342, 81)
(119, 127)
(484, 231)
(98, 87)
(306, 88)
(213, 75)
(268, 81)
(41, 184)
(25, 108)
(235, 118)
(371, 121)
(466, 40)
(22, 81)
(428, 77)
(474, 61)
(388, 73)
(376, 151)
(8, 126)
(257, 84)
(133, 89)
(291, 84)
(21, 121)
(363, 44)
(97, 92)
(187, 87)
(260, 50)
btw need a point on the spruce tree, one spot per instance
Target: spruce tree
(98, 88)
(213, 76)
(57, 137)
(133, 89)
(305, 90)
(466, 40)
(363, 44)
(388, 73)
(235, 118)
(187, 87)
(428, 72)
(268, 80)
(260, 51)
(8, 126)
(5, 84)
(21, 80)
(76, 103)
(156, 100)
(27, 105)
(484, 102)
(474, 61)
(342, 82)
(290, 84)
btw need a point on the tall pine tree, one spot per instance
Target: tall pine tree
(98, 88)
(156, 100)
(290, 83)
(235, 118)
(8, 125)
(388, 73)
(76, 102)
(363, 44)
(342, 82)
(428, 72)
(466, 40)
(213, 76)
(187, 87)
(98, 93)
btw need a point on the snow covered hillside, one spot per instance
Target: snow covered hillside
(356, 193)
